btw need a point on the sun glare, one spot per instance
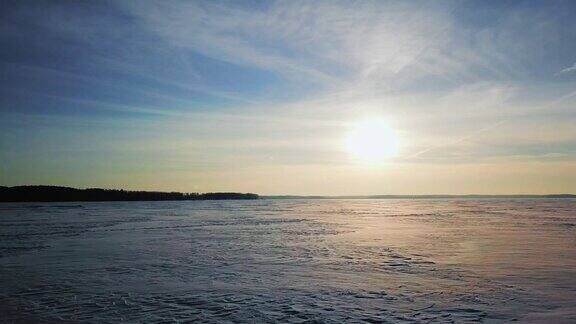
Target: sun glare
(372, 141)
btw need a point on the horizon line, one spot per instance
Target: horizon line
(349, 196)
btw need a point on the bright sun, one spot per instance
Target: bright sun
(372, 141)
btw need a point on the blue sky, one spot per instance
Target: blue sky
(259, 96)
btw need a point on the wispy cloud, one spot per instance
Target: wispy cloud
(569, 69)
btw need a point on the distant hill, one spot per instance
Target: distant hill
(61, 194)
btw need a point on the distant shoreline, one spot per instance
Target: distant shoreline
(557, 196)
(66, 194)
(43, 193)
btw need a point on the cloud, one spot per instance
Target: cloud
(335, 44)
(569, 69)
(331, 47)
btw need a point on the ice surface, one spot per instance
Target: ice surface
(332, 261)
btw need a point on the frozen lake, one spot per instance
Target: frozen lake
(333, 261)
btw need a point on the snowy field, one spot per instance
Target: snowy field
(331, 261)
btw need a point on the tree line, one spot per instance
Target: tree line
(57, 193)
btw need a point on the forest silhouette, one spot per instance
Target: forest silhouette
(60, 194)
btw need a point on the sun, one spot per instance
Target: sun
(372, 141)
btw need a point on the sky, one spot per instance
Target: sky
(262, 96)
